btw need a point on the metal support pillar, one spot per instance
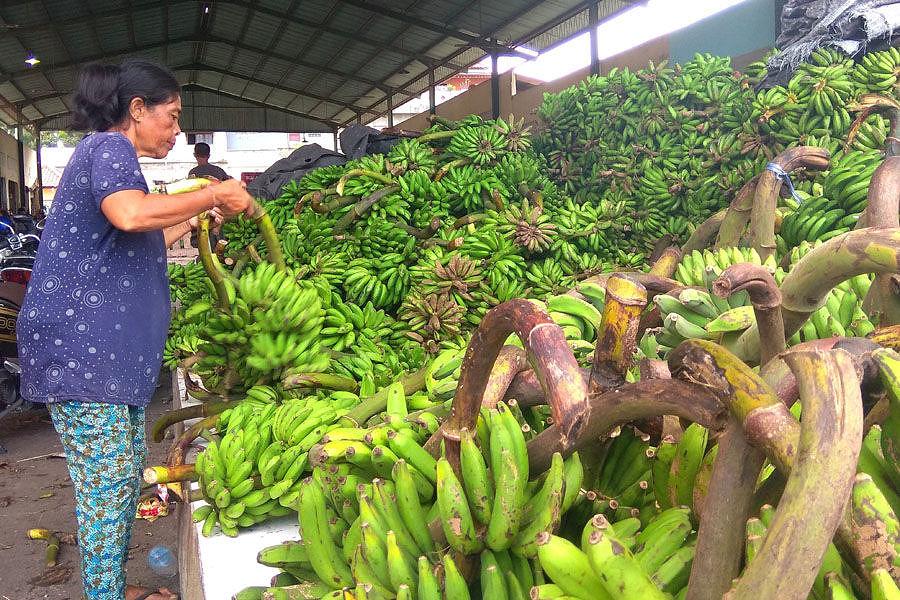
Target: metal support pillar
(20, 144)
(431, 102)
(336, 147)
(594, 18)
(495, 86)
(40, 176)
(390, 111)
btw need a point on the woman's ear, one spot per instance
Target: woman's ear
(137, 108)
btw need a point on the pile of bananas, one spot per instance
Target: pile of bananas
(187, 282)
(682, 140)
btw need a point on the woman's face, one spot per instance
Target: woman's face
(156, 128)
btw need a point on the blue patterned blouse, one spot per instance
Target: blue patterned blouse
(96, 313)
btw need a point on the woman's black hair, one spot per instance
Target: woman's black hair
(104, 92)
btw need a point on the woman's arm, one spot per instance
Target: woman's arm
(135, 210)
(176, 232)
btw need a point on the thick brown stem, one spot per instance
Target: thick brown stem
(665, 265)
(641, 400)
(654, 284)
(762, 216)
(727, 506)
(804, 289)
(806, 519)
(509, 363)
(736, 216)
(705, 233)
(170, 417)
(617, 336)
(550, 356)
(766, 299)
(882, 302)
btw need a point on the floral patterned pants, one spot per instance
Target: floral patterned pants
(105, 448)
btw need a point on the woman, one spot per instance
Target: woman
(95, 317)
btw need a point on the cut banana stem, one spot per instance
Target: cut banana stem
(52, 544)
(549, 354)
(766, 299)
(806, 519)
(762, 216)
(736, 218)
(641, 400)
(882, 303)
(617, 334)
(164, 474)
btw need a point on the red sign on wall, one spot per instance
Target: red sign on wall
(248, 176)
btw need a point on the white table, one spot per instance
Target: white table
(217, 567)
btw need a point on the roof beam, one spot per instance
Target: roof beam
(273, 41)
(534, 33)
(197, 86)
(479, 41)
(193, 67)
(192, 39)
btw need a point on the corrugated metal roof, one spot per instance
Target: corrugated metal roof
(269, 65)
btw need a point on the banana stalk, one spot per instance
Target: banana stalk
(765, 200)
(177, 452)
(617, 336)
(631, 402)
(509, 363)
(882, 301)
(804, 289)
(728, 502)
(270, 235)
(164, 474)
(211, 263)
(327, 381)
(368, 408)
(888, 336)
(667, 262)
(360, 208)
(52, 544)
(806, 519)
(196, 411)
(549, 354)
(730, 493)
(737, 215)
(706, 232)
(766, 300)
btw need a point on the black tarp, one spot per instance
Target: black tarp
(356, 141)
(853, 26)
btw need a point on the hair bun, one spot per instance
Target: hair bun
(96, 99)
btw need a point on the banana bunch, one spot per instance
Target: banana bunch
(623, 488)
(620, 559)
(412, 155)
(527, 226)
(578, 317)
(818, 218)
(346, 321)
(480, 145)
(548, 277)
(187, 283)
(378, 237)
(470, 189)
(253, 472)
(877, 71)
(848, 179)
(225, 467)
(383, 281)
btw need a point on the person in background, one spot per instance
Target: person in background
(96, 314)
(203, 168)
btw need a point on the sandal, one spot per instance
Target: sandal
(158, 591)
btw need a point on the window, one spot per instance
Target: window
(205, 137)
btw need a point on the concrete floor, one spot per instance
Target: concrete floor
(22, 485)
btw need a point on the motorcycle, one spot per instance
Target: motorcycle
(18, 249)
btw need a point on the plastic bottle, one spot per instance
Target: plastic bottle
(162, 561)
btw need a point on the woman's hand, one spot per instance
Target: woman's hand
(231, 197)
(215, 216)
